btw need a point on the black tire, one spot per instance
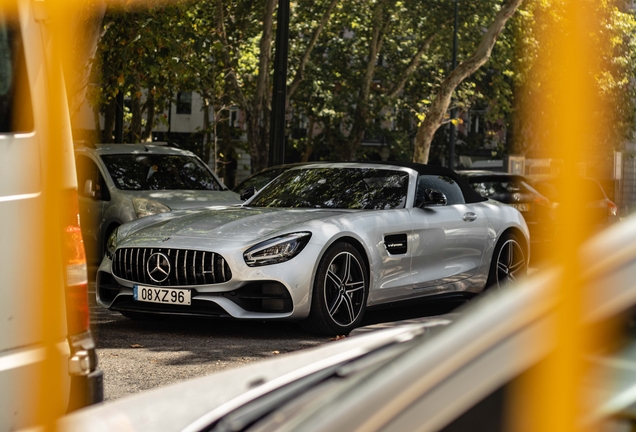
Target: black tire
(340, 292)
(509, 262)
(142, 316)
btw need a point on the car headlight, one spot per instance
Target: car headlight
(276, 250)
(145, 207)
(111, 244)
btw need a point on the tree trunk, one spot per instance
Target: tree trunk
(150, 116)
(413, 64)
(309, 147)
(361, 113)
(110, 112)
(135, 108)
(257, 110)
(298, 78)
(97, 123)
(207, 138)
(88, 31)
(442, 100)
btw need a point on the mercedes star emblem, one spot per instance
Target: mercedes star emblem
(158, 267)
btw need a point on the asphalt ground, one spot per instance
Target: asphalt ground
(141, 355)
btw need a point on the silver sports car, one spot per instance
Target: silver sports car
(319, 244)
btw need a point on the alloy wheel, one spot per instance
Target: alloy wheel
(344, 288)
(511, 263)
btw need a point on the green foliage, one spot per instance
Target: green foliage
(177, 47)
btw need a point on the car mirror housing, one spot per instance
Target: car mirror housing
(88, 189)
(248, 193)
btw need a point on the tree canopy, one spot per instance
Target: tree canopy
(360, 71)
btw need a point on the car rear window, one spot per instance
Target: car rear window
(500, 188)
(159, 172)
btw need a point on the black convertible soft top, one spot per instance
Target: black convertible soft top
(470, 195)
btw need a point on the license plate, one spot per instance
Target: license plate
(523, 207)
(161, 295)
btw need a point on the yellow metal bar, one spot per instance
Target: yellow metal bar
(571, 45)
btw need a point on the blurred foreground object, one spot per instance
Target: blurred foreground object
(48, 364)
(435, 375)
(574, 51)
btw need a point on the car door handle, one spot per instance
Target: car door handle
(469, 217)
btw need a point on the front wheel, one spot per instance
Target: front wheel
(339, 293)
(508, 263)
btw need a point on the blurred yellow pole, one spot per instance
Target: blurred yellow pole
(58, 25)
(571, 47)
(52, 306)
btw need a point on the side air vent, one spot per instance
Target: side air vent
(396, 244)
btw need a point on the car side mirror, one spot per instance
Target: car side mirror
(433, 197)
(248, 193)
(88, 189)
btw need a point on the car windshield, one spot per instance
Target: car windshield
(159, 172)
(342, 188)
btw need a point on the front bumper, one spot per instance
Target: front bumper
(278, 291)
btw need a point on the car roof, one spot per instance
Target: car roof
(112, 149)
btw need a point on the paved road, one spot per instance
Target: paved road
(140, 355)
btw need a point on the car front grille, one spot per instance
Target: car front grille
(187, 267)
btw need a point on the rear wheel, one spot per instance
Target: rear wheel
(339, 293)
(508, 263)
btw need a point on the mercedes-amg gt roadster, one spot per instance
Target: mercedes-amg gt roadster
(319, 244)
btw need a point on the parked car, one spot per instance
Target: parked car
(433, 376)
(256, 182)
(318, 244)
(514, 190)
(44, 332)
(597, 206)
(122, 182)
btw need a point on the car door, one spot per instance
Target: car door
(91, 196)
(448, 241)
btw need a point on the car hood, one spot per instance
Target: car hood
(178, 406)
(227, 223)
(187, 199)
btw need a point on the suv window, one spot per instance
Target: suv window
(87, 170)
(440, 183)
(16, 114)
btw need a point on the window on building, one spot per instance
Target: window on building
(184, 103)
(234, 123)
